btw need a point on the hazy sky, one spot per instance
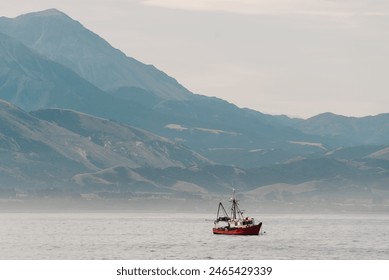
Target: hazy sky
(294, 57)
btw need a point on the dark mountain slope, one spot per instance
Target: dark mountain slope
(142, 147)
(33, 82)
(35, 152)
(38, 153)
(60, 38)
(144, 97)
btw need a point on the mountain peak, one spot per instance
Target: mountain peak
(326, 116)
(64, 40)
(48, 12)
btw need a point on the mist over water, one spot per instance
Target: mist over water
(142, 235)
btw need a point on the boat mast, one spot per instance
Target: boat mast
(235, 208)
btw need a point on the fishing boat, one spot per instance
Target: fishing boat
(234, 223)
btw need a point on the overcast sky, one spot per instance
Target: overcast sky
(294, 57)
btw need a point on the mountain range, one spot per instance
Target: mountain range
(81, 116)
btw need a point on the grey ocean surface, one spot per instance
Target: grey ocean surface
(145, 236)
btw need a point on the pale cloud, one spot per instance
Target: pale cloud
(280, 7)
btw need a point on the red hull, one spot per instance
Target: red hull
(254, 230)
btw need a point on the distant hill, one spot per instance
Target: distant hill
(324, 181)
(64, 40)
(349, 131)
(142, 147)
(31, 81)
(81, 116)
(56, 150)
(35, 153)
(38, 153)
(204, 124)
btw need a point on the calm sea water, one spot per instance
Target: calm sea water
(188, 236)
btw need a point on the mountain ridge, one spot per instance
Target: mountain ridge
(37, 30)
(355, 130)
(76, 133)
(39, 152)
(146, 110)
